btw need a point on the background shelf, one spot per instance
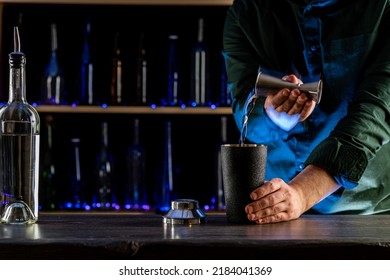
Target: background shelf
(134, 110)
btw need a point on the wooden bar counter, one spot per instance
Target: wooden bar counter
(144, 236)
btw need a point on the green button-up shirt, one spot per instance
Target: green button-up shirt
(347, 42)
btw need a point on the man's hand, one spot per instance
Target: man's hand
(286, 108)
(277, 201)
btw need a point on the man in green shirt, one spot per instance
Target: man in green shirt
(335, 159)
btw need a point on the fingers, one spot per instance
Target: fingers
(289, 102)
(292, 79)
(280, 217)
(273, 202)
(267, 188)
(278, 99)
(307, 110)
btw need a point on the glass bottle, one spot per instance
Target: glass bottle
(142, 74)
(53, 88)
(76, 194)
(200, 88)
(224, 98)
(49, 194)
(218, 199)
(19, 138)
(164, 192)
(87, 71)
(116, 75)
(104, 196)
(172, 97)
(136, 192)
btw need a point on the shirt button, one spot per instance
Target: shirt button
(313, 48)
(301, 166)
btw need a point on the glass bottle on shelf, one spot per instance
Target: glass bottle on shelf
(76, 198)
(104, 194)
(142, 74)
(49, 193)
(87, 94)
(136, 191)
(218, 198)
(224, 98)
(172, 95)
(116, 75)
(53, 87)
(200, 88)
(19, 148)
(164, 192)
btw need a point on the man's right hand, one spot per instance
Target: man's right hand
(292, 103)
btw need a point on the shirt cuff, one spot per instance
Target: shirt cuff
(343, 182)
(346, 163)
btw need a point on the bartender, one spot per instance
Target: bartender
(335, 159)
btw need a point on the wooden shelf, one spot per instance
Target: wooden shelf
(134, 110)
(126, 2)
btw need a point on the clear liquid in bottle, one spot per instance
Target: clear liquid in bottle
(19, 148)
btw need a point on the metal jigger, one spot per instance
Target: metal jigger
(266, 85)
(185, 211)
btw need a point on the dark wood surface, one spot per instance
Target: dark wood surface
(144, 236)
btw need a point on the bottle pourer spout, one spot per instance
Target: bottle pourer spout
(16, 40)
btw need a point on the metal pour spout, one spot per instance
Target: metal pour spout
(16, 40)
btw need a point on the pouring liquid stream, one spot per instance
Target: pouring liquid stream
(250, 105)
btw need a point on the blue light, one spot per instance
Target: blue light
(146, 207)
(183, 106)
(165, 208)
(153, 106)
(213, 106)
(68, 205)
(34, 104)
(87, 207)
(193, 104)
(104, 105)
(74, 105)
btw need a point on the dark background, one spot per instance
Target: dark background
(195, 138)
